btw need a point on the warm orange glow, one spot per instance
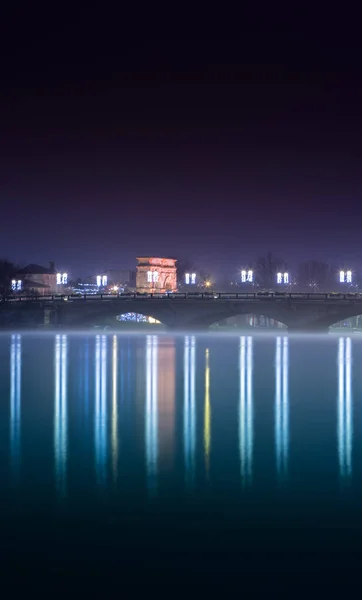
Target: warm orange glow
(207, 283)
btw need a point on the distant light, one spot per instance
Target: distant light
(207, 283)
(155, 276)
(286, 277)
(19, 284)
(250, 275)
(345, 276)
(193, 278)
(104, 280)
(243, 276)
(115, 288)
(65, 278)
(149, 276)
(279, 277)
(13, 284)
(59, 278)
(187, 278)
(99, 280)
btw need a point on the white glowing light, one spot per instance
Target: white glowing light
(193, 278)
(155, 276)
(243, 276)
(279, 277)
(59, 278)
(99, 280)
(187, 278)
(13, 284)
(149, 276)
(19, 284)
(65, 278)
(104, 280)
(250, 275)
(349, 276)
(286, 277)
(341, 276)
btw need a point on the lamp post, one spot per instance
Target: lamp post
(247, 276)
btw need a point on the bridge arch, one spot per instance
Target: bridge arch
(229, 312)
(249, 320)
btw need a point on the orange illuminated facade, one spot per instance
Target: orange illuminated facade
(156, 275)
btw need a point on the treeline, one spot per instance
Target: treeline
(311, 275)
(8, 271)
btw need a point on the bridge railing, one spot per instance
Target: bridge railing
(184, 296)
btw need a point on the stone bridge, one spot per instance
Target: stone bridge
(299, 312)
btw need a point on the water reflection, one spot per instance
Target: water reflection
(282, 405)
(151, 416)
(114, 407)
(189, 407)
(246, 434)
(60, 413)
(166, 402)
(207, 415)
(100, 414)
(345, 424)
(15, 398)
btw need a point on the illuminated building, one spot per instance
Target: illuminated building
(60, 413)
(15, 398)
(246, 425)
(41, 280)
(156, 275)
(345, 420)
(281, 405)
(189, 407)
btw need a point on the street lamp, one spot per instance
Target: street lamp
(102, 280)
(190, 278)
(62, 278)
(16, 285)
(283, 278)
(345, 276)
(247, 276)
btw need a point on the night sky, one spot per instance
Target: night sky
(217, 150)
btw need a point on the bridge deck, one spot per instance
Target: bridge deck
(242, 297)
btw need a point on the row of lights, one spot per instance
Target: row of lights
(248, 276)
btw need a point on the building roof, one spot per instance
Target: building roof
(35, 284)
(35, 270)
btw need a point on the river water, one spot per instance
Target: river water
(197, 457)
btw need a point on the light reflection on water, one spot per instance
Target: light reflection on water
(15, 399)
(282, 405)
(60, 413)
(246, 425)
(345, 421)
(164, 384)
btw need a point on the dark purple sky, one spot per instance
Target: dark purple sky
(114, 146)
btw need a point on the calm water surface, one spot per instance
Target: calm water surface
(199, 457)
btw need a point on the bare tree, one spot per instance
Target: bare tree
(266, 269)
(315, 275)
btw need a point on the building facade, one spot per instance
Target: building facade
(156, 275)
(39, 280)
